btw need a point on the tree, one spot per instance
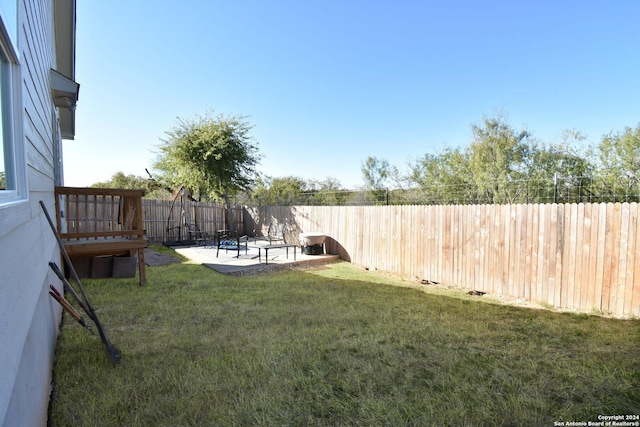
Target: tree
(499, 156)
(212, 156)
(484, 172)
(502, 165)
(283, 191)
(2, 181)
(444, 177)
(133, 182)
(559, 172)
(375, 173)
(260, 192)
(619, 164)
(292, 190)
(327, 192)
(561, 157)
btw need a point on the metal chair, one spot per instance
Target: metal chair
(229, 240)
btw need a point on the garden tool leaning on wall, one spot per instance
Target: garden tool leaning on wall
(114, 353)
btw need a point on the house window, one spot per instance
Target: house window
(12, 160)
(6, 154)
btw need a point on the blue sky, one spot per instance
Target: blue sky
(328, 83)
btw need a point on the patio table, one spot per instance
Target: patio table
(266, 251)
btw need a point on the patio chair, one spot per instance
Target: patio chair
(275, 233)
(197, 235)
(229, 240)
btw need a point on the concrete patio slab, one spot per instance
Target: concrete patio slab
(227, 262)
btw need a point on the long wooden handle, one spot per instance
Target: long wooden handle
(70, 309)
(69, 288)
(65, 304)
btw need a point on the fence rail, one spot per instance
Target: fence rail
(574, 256)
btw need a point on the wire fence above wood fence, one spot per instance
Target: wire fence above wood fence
(554, 189)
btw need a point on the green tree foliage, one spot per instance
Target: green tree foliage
(134, 182)
(292, 190)
(558, 171)
(443, 178)
(560, 158)
(502, 165)
(328, 192)
(620, 152)
(375, 174)
(618, 164)
(3, 181)
(278, 191)
(499, 155)
(482, 173)
(127, 182)
(212, 156)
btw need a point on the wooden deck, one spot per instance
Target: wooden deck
(95, 222)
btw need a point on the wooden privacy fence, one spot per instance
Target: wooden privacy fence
(574, 256)
(166, 220)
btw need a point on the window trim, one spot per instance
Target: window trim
(11, 109)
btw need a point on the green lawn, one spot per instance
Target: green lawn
(335, 345)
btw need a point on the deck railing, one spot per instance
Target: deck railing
(101, 221)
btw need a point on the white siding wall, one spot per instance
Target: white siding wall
(28, 318)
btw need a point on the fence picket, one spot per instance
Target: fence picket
(632, 248)
(581, 226)
(550, 252)
(571, 258)
(634, 301)
(615, 256)
(623, 257)
(556, 254)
